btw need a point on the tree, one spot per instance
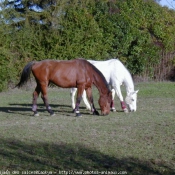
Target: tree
(133, 31)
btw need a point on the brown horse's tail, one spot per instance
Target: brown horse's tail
(25, 74)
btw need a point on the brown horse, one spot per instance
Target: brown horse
(67, 74)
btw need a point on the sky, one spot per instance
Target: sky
(169, 3)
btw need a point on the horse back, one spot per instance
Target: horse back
(65, 74)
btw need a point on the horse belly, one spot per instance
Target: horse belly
(64, 83)
(64, 80)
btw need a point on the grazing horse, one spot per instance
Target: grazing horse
(116, 74)
(77, 73)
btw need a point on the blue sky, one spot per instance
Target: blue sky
(168, 3)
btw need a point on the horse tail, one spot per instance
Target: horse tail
(25, 75)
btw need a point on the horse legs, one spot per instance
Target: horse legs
(86, 101)
(90, 98)
(73, 92)
(45, 98)
(78, 100)
(119, 94)
(112, 102)
(35, 97)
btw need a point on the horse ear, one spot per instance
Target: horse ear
(137, 91)
(134, 92)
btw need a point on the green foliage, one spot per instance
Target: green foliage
(6, 68)
(135, 31)
(83, 36)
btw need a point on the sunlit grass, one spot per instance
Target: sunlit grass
(138, 143)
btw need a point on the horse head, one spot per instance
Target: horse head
(131, 101)
(104, 102)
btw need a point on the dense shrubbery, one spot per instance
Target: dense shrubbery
(135, 31)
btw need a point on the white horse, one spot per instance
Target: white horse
(116, 74)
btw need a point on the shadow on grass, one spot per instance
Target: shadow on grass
(22, 108)
(33, 155)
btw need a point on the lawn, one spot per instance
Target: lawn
(139, 143)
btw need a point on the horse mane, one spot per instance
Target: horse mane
(128, 74)
(99, 73)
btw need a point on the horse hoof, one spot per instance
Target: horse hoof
(36, 115)
(88, 108)
(78, 115)
(113, 109)
(125, 110)
(53, 114)
(96, 113)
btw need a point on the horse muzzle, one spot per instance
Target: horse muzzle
(132, 110)
(104, 113)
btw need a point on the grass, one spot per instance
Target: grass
(136, 143)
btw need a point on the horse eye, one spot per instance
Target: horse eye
(132, 99)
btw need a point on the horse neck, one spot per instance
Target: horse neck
(128, 82)
(100, 84)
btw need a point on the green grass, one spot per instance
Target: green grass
(135, 143)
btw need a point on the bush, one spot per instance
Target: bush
(133, 31)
